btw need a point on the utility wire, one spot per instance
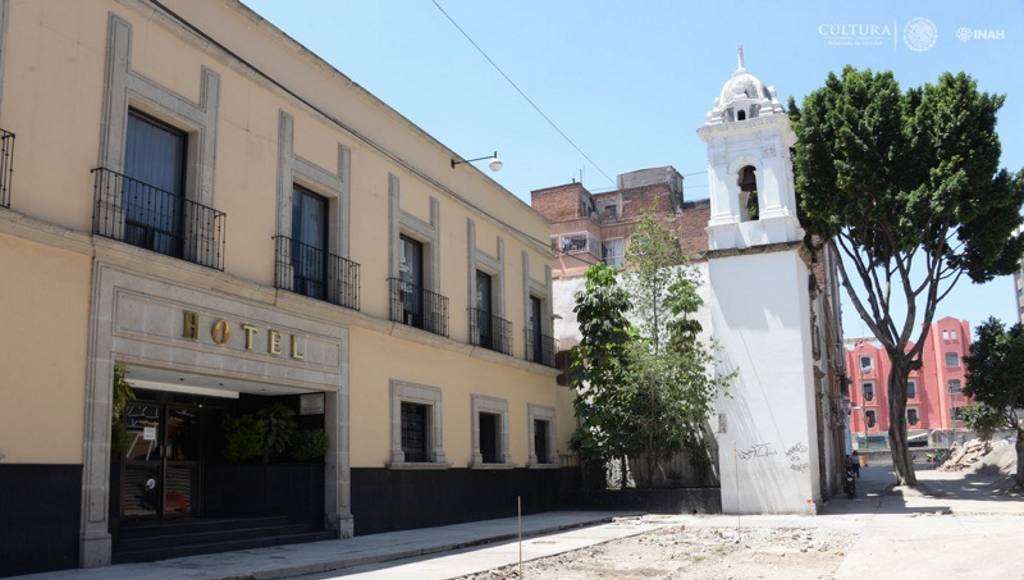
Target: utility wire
(520, 91)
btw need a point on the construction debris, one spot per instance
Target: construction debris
(977, 454)
(964, 455)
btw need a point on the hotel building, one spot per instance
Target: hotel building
(207, 227)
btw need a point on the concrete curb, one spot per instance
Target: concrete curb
(351, 562)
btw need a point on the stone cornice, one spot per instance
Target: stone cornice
(735, 128)
(760, 249)
(21, 226)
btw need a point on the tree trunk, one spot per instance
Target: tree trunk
(897, 391)
(1020, 458)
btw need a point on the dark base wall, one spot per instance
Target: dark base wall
(292, 489)
(385, 499)
(693, 500)
(39, 517)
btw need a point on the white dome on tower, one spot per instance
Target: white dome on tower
(743, 97)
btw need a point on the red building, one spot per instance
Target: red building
(934, 393)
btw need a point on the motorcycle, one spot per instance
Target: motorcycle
(850, 483)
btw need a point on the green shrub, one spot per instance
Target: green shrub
(308, 445)
(244, 438)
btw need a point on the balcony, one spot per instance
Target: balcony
(6, 167)
(490, 331)
(541, 352)
(136, 213)
(312, 272)
(418, 307)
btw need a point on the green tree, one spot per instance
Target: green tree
(994, 370)
(676, 388)
(601, 367)
(906, 187)
(645, 387)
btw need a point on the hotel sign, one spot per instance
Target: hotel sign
(220, 333)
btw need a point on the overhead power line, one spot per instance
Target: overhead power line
(533, 104)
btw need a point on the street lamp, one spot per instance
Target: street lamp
(495, 163)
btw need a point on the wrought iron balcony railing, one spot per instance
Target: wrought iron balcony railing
(540, 351)
(312, 272)
(418, 307)
(140, 214)
(6, 167)
(490, 331)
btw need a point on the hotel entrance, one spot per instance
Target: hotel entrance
(202, 464)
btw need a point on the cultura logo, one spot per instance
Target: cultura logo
(920, 34)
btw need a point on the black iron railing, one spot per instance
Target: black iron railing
(540, 351)
(490, 331)
(134, 212)
(6, 167)
(312, 272)
(418, 307)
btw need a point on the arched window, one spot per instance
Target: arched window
(741, 115)
(747, 180)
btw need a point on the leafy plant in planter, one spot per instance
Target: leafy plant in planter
(308, 445)
(244, 438)
(279, 424)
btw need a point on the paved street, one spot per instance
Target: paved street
(957, 526)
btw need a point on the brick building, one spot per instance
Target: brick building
(587, 228)
(935, 392)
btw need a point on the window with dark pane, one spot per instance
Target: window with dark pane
(410, 273)
(540, 441)
(536, 330)
(153, 193)
(484, 309)
(309, 242)
(414, 432)
(490, 426)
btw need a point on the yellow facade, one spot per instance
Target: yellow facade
(52, 99)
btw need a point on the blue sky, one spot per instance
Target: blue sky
(631, 81)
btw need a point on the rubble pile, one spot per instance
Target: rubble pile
(964, 455)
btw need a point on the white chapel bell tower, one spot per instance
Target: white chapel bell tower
(760, 301)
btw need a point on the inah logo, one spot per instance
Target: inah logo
(920, 34)
(966, 33)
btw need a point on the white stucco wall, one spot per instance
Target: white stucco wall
(768, 447)
(567, 328)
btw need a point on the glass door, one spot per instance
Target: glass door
(162, 460)
(181, 460)
(142, 480)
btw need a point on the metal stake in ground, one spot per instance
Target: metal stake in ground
(519, 512)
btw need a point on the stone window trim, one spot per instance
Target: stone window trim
(334, 185)
(498, 406)
(4, 19)
(493, 266)
(404, 223)
(544, 413)
(540, 290)
(403, 391)
(126, 88)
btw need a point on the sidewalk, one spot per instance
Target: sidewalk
(326, 556)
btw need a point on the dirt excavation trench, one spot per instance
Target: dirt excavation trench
(682, 552)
